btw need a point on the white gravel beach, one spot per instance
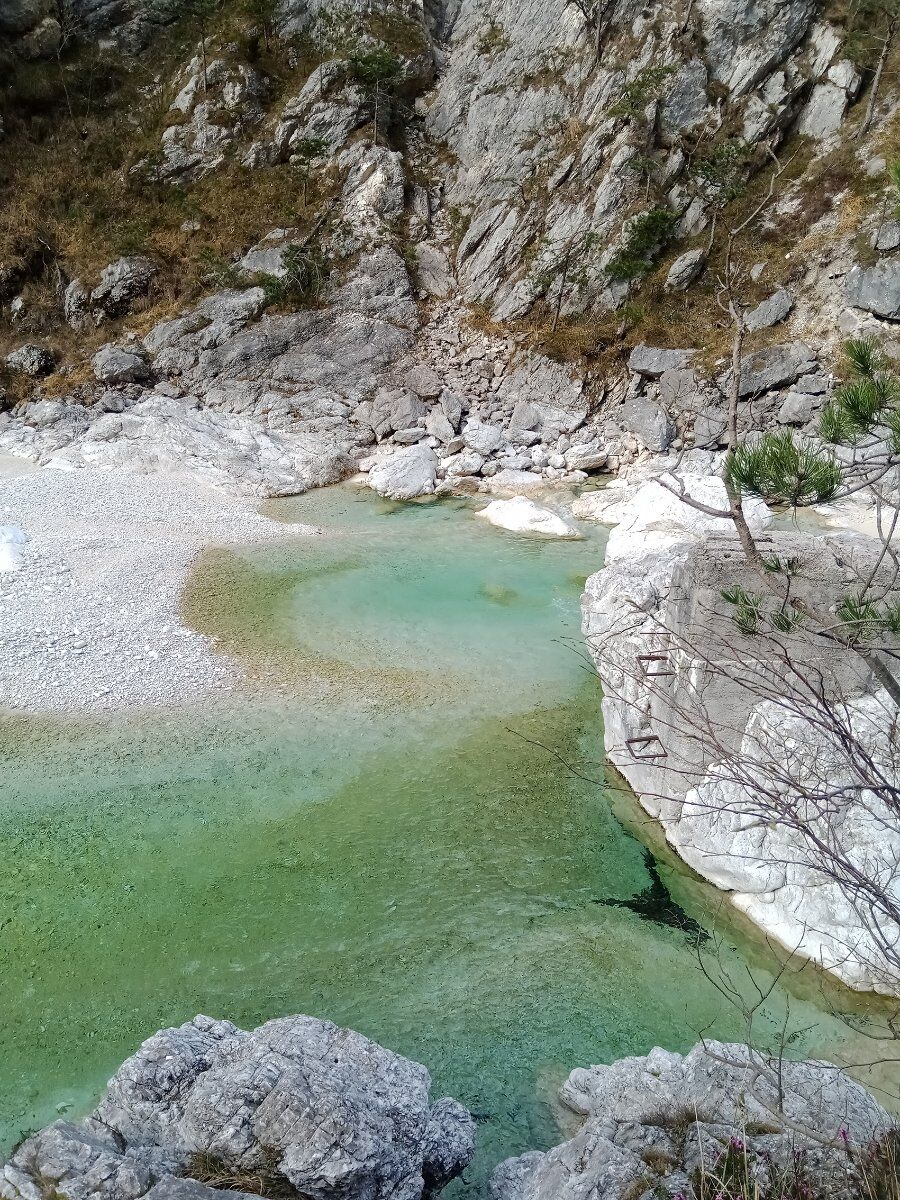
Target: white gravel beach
(90, 619)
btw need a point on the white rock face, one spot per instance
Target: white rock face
(406, 474)
(12, 545)
(698, 719)
(521, 515)
(159, 433)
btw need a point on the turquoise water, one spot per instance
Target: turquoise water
(383, 832)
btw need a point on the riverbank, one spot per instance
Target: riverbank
(91, 616)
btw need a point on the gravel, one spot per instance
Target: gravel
(91, 620)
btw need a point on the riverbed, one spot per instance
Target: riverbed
(401, 823)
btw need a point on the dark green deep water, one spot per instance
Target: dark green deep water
(373, 841)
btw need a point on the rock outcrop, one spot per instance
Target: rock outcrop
(658, 1125)
(297, 1104)
(693, 719)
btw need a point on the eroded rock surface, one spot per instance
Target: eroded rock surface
(298, 1102)
(652, 1123)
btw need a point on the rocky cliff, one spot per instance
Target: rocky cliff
(425, 218)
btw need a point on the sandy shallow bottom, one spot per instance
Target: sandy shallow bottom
(91, 620)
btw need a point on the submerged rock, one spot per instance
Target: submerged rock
(298, 1103)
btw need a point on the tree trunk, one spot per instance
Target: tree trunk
(879, 71)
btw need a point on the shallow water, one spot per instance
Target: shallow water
(406, 831)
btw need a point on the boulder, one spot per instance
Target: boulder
(424, 382)
(119, 364)
(483, 439)
(886, 237)
(297, 1104)
(876, 289)
(587, 456)
(437, 425)
(654, 1121)
(393, 410)
(521, 515)
(406, 474)
(775, 366)
(649, 423)
(466, 462)
(797, 409)
(651, 361)
(31, 360)
(772, 310)
(709, 427)
(122, 282)
(685, 269)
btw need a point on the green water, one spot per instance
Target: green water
(382, 836)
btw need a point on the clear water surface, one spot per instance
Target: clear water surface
(404, 827)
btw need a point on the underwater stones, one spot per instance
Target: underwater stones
(313, 1106)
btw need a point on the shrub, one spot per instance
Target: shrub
(648, 235)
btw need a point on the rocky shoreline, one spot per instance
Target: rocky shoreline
(301, 1108)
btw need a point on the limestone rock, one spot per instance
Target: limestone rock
(876, 289)
(31, 360)
(586, 456)
(886, 237)
(122, 282)
(483, 439)
(119, 364)
(772, 310)
(723, 1096)
(318, 1108)
(521, 515)
(774, 367)
(406, 474)
(685, 269)
(652, 362)
(649, 423)
(797, 409)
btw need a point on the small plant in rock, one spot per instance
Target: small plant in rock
(305, 273)
(307, 151)
(646, 88)
(722, 174)
(493, 40)
(783, 469)
(379, 74)
(648, 234)
(870, 397)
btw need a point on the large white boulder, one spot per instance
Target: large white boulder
(12, 544)
(405, 475)
(654, 516)
(521, 515)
